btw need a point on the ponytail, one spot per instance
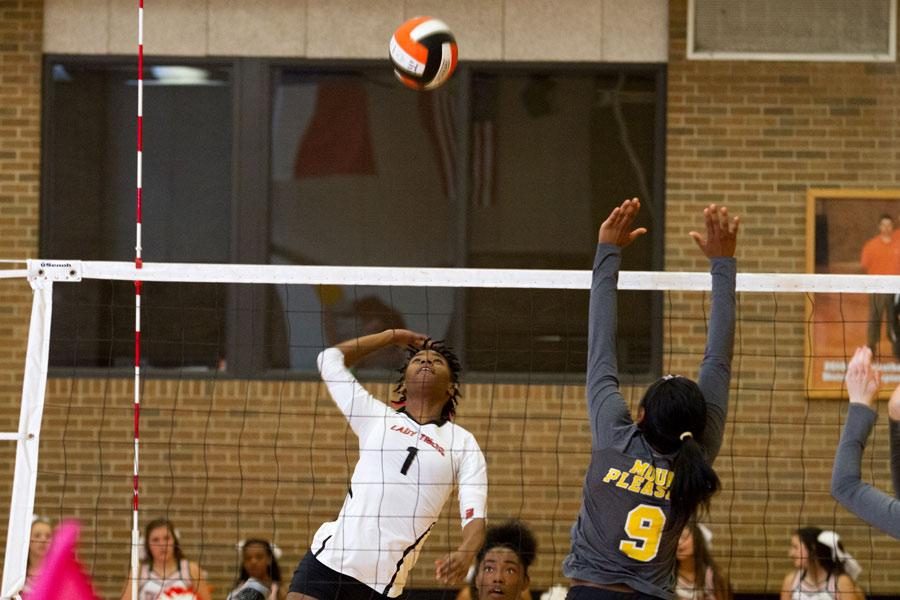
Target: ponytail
(674, 418)
(694, 483)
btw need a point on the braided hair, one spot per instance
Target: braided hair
(449, 409)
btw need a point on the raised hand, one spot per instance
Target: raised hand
(616, 229)
(405, 337)
(721, 233)
(862, 380)
(453, 567)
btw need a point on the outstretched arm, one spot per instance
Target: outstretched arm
(868, 503)
(714, 379)
(894, 416)
(606, 405)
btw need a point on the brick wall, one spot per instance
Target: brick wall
(20, 100)
(272, 458)
(20, 89)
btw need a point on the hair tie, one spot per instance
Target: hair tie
(685, 435)
(707, 534)
(832, 541)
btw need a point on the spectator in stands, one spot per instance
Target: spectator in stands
(699, 578)
(259, 570)
(164, 571)
(823, 570)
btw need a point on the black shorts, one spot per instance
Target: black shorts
(323, 583)
(586, 592)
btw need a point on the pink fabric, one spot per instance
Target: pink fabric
(61, 576)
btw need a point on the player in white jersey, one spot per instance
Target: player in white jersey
(410, 458)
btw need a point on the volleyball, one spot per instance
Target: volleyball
(423, 52)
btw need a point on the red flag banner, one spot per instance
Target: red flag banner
(337, 140)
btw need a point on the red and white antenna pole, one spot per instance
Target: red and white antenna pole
(138, 264)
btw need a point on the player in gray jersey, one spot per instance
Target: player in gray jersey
(647, 479)
(868, 503)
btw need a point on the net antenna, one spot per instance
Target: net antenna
(138, 265)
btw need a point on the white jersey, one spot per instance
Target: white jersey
(402, 480)
(177, 586)
(801, 590)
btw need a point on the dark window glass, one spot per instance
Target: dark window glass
(501, 168)
(364, 172)
(88, 207)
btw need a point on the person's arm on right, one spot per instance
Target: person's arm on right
(847, 589)
(873, 506)
(894, 425)
(786, 591)
(606, 405)
(714, 378)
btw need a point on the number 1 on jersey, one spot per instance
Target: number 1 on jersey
(644, 527)
(409, 459)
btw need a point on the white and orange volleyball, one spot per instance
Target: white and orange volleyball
(423, 52)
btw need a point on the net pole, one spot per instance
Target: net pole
(28, 439)
(138, 264)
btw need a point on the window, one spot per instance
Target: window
(504, 167)
(501, 168)
(88, 209)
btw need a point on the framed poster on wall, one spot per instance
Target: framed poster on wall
(851, 232)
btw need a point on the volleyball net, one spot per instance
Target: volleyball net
(239, 438)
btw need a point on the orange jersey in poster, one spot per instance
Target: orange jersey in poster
(880, 257)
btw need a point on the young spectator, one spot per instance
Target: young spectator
(823, 570)
(164, 571)
(259, 569)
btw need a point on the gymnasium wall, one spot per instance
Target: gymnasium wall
(753, 135)
(579, 30)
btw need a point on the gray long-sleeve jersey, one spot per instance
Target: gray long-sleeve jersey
(867, 502)
(620, 536)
